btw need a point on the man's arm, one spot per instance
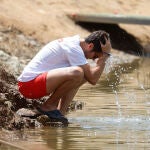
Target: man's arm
(92, 74)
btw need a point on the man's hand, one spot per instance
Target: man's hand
(106, 48)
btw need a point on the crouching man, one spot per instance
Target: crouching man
(60, 68)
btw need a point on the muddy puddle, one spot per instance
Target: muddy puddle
(116, 115)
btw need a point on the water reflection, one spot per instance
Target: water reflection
(97, 133)
(116, 114)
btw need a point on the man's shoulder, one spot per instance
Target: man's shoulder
(72, 39)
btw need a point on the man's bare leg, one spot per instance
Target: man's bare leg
(60, 82)
(66, 99)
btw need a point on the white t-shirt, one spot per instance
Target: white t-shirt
(56, 54)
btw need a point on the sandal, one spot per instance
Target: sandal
(54, 115)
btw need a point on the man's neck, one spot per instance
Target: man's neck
(82, 44)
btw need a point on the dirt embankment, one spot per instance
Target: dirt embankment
(47, 20)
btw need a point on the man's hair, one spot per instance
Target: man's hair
(96, 37)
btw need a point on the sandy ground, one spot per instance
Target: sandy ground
(46, 20)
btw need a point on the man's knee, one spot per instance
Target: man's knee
(77, 74)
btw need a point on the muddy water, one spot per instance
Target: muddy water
(116, 115)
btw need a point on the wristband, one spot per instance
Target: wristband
(108, 54)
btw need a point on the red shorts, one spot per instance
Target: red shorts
(35, 88)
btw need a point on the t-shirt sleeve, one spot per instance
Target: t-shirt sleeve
(76, 56)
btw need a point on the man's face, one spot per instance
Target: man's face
(90, 54)
(96, 55)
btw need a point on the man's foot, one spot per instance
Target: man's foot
(54, 115)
